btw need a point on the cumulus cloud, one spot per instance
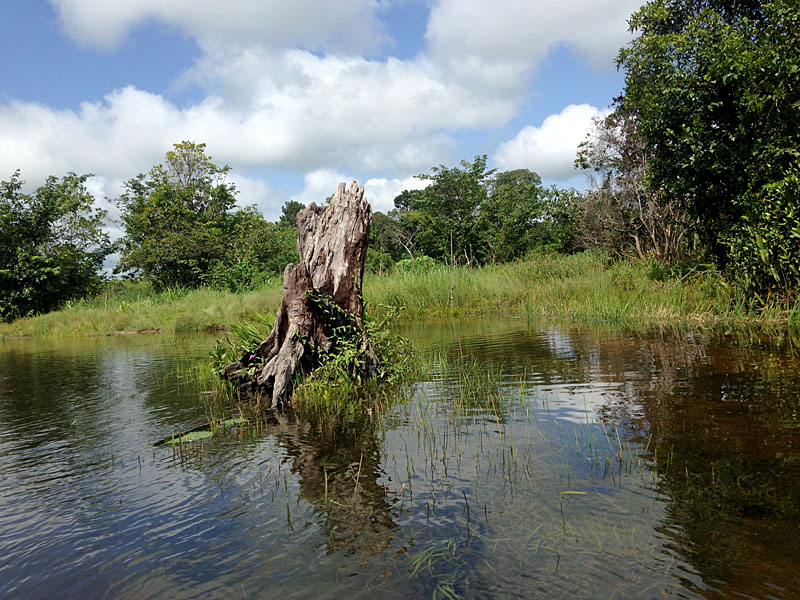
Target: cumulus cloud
(516, 34)
(344, 25)
(252, 190)
(308, 111)
(117, 137)
(550, 148)
(381, 192)
(320, 184)
(269, 101)
(301, 112)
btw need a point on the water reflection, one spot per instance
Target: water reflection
(339, 469)
(537, 460)
(718, 416)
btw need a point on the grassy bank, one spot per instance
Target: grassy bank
(135, 307)
(583, 287)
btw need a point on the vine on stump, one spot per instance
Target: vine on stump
(322, 309)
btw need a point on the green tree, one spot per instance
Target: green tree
(177, 218)
(714, 86)
(52, 245)
(253, 251)
(450, 210)
(514, 215)
(289, 212)
(182, 227)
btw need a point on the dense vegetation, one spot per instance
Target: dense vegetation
(181, 228)
(51, 245)
(713, 89)
(696, 170)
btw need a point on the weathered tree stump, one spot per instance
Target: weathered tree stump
(321, 299)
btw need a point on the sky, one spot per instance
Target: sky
(298, 95)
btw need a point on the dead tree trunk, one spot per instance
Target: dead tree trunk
(321, 300)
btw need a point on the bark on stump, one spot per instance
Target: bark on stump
(320, 294)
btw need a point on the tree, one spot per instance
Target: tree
(289, 212)
(253, 251)
(176, 218)
(715, 91)
(52, 245)
(450, 206)
(514, 215)
(622, 213)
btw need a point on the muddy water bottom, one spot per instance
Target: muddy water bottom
(533, 461)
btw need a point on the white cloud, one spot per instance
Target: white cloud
(271, 103)
(300, 112)
(344, 25)
(381, 192)
(517, 34)
(320, 184)
(308, 112)
(117, 138)
(549, 149)
(252, 190)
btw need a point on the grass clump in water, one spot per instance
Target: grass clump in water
(336, 388)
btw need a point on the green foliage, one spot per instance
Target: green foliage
(715, 90)
(418, 264)
(387, 236)
(181, 227)
(451, 206)
(289, 212)
(377, 261)
(51, 245)
(242, 338)
(176, 218)
(512, 215)
(488, 216)
(766, 246)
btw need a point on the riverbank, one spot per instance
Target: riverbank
(583, 288)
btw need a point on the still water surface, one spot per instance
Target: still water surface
(535, 461)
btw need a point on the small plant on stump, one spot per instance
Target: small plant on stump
(321, 317)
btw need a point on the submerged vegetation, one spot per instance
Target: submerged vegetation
(567, 460)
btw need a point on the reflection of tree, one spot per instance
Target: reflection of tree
(724, 417)
(339, 467)
(725, 441)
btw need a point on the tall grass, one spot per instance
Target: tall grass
(585, 287)
(135, 307)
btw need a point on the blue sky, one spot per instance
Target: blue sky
(298, 95)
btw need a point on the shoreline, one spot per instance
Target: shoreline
(581, 288)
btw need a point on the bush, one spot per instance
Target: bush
(765, 246)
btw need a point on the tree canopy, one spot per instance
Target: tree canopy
(182, 228)
(52, 245)
(714, 86)
(491, 216)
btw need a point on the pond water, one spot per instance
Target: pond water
(535, 461)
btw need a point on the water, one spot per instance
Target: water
(535, 461)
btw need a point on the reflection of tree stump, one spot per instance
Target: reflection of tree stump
(321, 296)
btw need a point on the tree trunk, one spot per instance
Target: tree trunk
(321, 300)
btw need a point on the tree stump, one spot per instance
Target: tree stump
(321, 300)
